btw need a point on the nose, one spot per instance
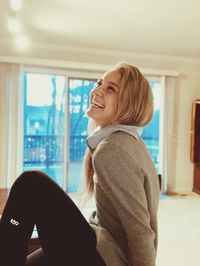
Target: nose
(98, 91)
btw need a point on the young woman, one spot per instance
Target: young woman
(119, 172)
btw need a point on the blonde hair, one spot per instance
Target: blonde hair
(135, 107)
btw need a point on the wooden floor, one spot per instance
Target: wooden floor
(3, 198)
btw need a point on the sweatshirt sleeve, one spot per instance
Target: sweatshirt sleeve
(122, 179)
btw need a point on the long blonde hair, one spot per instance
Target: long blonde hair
(135, 107)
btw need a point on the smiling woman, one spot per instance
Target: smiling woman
(119, 170)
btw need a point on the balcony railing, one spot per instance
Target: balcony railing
(48, 150)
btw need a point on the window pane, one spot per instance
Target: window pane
(79, 91)
(44, 98)
(150, 133)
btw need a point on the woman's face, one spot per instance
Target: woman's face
(104, 98)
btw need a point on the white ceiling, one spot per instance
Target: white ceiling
(167, 27)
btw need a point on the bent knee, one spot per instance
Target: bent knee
(30, 179)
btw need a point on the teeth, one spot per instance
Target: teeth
(97, 104)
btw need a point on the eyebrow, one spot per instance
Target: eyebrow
(110, 82)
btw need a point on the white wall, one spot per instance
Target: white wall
(187, 89)
(3, 124)
(9, 79)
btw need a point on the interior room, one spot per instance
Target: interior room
(54, 48)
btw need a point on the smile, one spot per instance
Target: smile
(97, 104)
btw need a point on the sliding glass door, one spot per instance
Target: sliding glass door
(55, 126)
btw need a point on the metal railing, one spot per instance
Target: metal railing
(48, 150)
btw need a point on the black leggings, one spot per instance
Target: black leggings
(65, 236)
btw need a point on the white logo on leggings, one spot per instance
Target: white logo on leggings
(14, 222)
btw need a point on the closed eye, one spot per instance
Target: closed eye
(110, 88)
